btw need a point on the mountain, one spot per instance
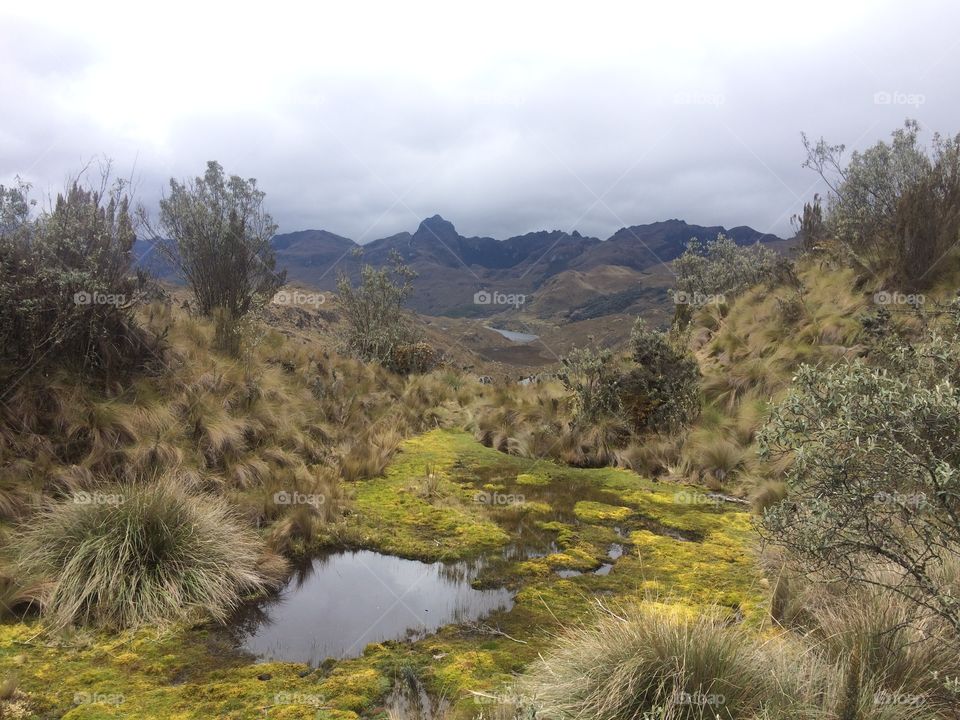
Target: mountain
(569, 270)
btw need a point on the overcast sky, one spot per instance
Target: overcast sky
(364, 118)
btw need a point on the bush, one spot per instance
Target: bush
(662, 391)
(66, 285)
(718, 269)
(875, 478)
(377, 325)
(217, 234)
(593, 378)
(136, 555)
(894, 204)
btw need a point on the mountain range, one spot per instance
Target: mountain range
(551, 273)
(555, 271)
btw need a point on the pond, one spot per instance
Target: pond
(340, 602)
(517, 337)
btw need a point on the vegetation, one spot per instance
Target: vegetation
(126, 556)
(708, 272)
(378, 328)
(217, 234)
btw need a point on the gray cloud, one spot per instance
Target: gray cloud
(365, 122)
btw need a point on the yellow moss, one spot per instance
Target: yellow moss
(597, 512)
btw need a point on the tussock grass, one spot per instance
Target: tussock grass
(157, 556)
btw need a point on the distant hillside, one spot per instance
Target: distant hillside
(569, 268)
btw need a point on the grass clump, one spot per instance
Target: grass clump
(138, 555)
(662, 663)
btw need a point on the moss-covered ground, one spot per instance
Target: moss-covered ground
(443, 497)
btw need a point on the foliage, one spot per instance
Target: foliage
(217, 233)
(140, 554)
(662, 391)
(810, 226)
(875, 477)
(896, 202)
(710, 271)
(66, 286)
(593, 378)
(377, 323)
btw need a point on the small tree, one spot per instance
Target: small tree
(662, 391)
(875, 475)
(377, 323)
(217, 233)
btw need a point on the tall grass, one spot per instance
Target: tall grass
(134, 555)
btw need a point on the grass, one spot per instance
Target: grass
(136, 555)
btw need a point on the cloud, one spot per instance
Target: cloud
(365, 118)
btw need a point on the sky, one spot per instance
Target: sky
(363, 118)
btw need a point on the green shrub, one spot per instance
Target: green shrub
(593, 378)
(716, 270)
(662, 391)
(140, 554)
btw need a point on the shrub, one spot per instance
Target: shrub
(66, 286)
(593, 378)
(875, 478)
(149, 554)
(896, 203)
(376, 323)
(217, 234)
(662, 391)
(719, 268)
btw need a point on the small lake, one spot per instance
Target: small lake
(340, 602)
(518, 337)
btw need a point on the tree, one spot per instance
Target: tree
(874, 484)
(593, 378)
(217, 233)
(377, 324)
